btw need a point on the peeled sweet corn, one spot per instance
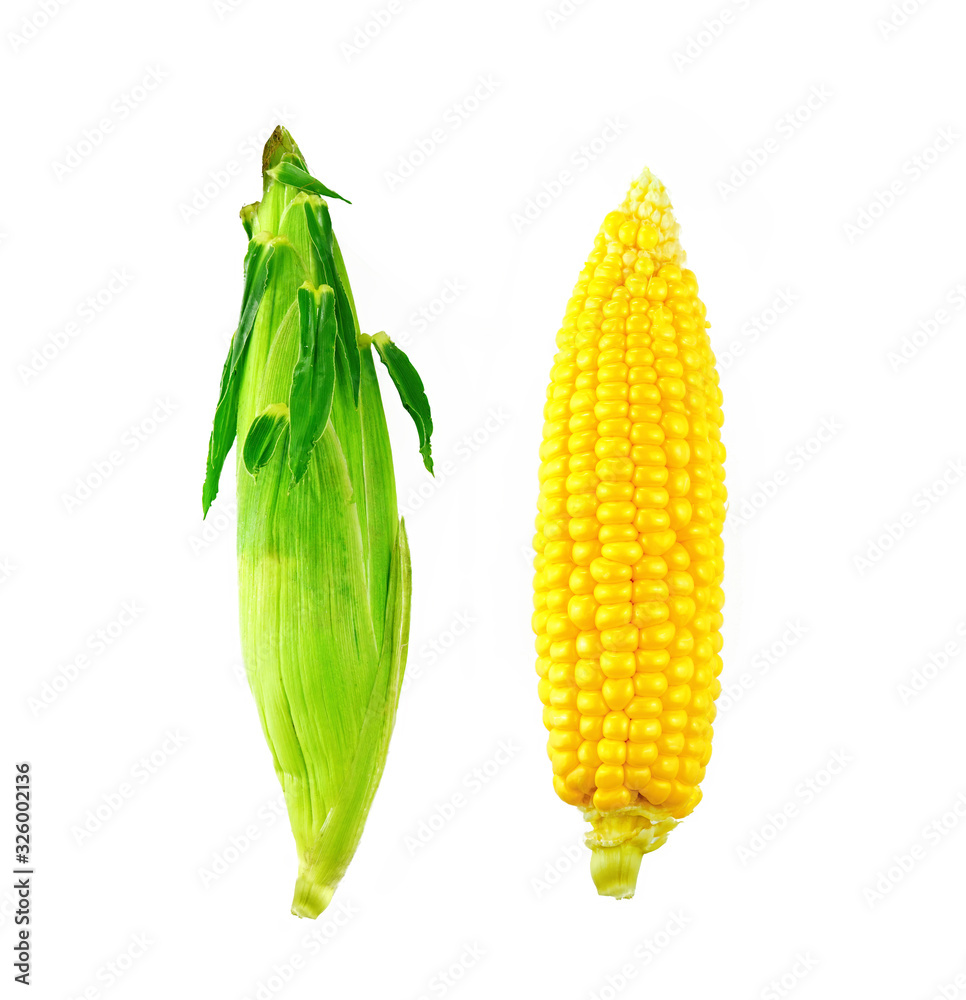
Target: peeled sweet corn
(627, 592)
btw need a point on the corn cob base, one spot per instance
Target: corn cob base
(618, 840)
(310, 898)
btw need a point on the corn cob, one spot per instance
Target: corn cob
(323, 561)
(629, 554)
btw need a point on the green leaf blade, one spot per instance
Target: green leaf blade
(257, 261)
(313, 379)
(263, 436)
(287, 172)
(412, 395)
(320, 232)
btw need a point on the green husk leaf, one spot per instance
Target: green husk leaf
(320, 231)
(257, 262)
(323, 866)
(248, 215)
(295, 158)
(411, 392)
(382, 515)
(287, 172)
(313, 380)
(307, 636)
(263, 436)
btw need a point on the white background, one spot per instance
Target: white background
(746, 909)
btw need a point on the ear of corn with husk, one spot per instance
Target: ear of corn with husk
(629, 553)
(323, 561)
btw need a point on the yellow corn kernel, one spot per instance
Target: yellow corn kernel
(674, 721)
(587, 753)
(641, 754)
(656, 543)
(582, 529)
(657, 791)
(617, 692)
(559, 626)
(563, 697)
(637, 778)
(657, 636)
(582, 611)
(563, 651)
(614, 491)
(582, 505)
(665, 767)
(681, 610)
(671, 743)
(564, 761)
(677, 696)
(609, 776)
(689, 770)
(581, 779)
(612, 751)
(613, 593)
(651, 660)
(621, 639)
(619, 512)
(613, 615)
(681, 799)
(588, 676)
(570, 796)
(562, 740)
(588, 646)
(610, 535)
(580, 581)
(564, 719)
(618, 665)
(650, 685)
(651, 613)
(627, 233)
(644, 730)
(644, 708)
(584, 553)
(615, 468)
(616, 726)
(607, 799)
(591, 703)
(558, 598)
(651, 519)
(626, 552)
(608, 571)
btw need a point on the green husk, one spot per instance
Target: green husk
(323, 560)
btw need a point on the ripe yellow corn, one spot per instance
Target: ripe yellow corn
(627, 592)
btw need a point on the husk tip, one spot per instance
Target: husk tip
(279, 143)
